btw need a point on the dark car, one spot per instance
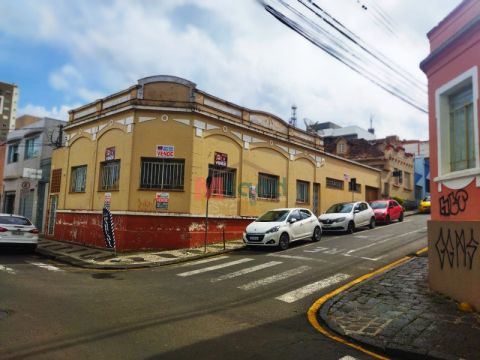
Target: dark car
(387, 210)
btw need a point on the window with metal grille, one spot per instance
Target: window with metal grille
(162, 174)
(223, 180)
(268, 186)
(335, 184)
(303, 191)
(78, 178)
(56, 181)
(109, 175)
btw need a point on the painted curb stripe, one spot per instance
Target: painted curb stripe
(313, 310)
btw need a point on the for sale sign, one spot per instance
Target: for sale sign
(165, 151)
(161, 201)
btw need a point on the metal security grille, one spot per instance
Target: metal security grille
(335, 184)
(162, 174)
(223, 180)
(109, 175)
(302, 191)
(52, 214)
(267, 186)
(56, 180)
(79, 176)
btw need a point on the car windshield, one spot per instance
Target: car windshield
(13, 220)
(427, 198)
(340, 208)
(273, 216)
(378, 205)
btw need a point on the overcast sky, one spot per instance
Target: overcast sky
(65, 53)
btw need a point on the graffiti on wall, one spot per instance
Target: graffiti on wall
(456, 248)
(454, 203)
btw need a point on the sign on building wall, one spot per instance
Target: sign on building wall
(110, 153)
(161, 201)
(165, 151)
(221, 159)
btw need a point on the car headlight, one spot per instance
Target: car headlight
(340, 219)
(273, 229)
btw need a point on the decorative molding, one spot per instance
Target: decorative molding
(145, 118)
(212, 127)
(198, 132)
(183, 121)
(246, 145)
(247, 138)
(116, 101)
(101, 127)
(223, 107)
(284, 148)
(199, 124)
(255, 140)
(237, 134)
(85, 112)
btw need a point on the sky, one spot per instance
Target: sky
(64, 53)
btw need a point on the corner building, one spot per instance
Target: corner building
(147, 151)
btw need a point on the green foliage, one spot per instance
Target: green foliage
(399, 200)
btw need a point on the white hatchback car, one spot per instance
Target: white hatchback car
(279, 227)
(16, 229)
(348, 216)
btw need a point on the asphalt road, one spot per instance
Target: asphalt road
(249, 304)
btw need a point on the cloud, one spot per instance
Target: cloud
(237, 52)
(59, 113)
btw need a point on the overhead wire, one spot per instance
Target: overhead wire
(337, 48)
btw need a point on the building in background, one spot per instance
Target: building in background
(9, 95)
(330, 130)
(27, 167)
(386, 154)
(147, 151)
(421, 152)
(452, 69)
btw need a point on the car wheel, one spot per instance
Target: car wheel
(317, 234)
(31, 247)
(372, 223)
(387, 220)
(284, 241)
(401, 217)
(351, 227)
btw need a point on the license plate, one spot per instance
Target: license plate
(17, 232)
(253, 237)
(327, 225)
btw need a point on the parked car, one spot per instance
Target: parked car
(387, 210)
(16, 229)
(280, 227)
(424, 206)
(347, 217)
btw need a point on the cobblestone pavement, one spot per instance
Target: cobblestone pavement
(396, 313)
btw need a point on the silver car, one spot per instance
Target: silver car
(16, 229)
(347, 217)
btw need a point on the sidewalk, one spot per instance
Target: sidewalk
(94, 258)
(395, 313)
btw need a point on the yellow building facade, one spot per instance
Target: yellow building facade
(146, 153)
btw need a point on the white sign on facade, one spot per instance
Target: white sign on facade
(29, 173)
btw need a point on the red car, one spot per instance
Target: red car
(387, 210)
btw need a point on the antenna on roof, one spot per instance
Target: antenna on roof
(293, 119)
(371, 130)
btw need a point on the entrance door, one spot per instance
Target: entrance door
(316, 199)
(9, 202)
(52, 214)
(26, 204)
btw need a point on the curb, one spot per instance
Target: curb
(87, 265)
(320, 309)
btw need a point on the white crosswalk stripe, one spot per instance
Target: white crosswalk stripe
(274, 278)
(7, 269)
(211, 268)
(246, 271)
(348, 357)
(309, 289)
(204, 261)
(44, 266)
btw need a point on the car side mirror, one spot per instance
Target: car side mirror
(292, 220)
(356, 211)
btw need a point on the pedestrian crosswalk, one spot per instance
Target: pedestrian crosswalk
(9, 270)
(249, 266)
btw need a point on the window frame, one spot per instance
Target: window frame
(11, 153)
(261, 192)
(305, 200)
(35, 148)
(73, 179)
(330, 186)
(223, 171)
(178, 187)
(115, 184)
(442, 119)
